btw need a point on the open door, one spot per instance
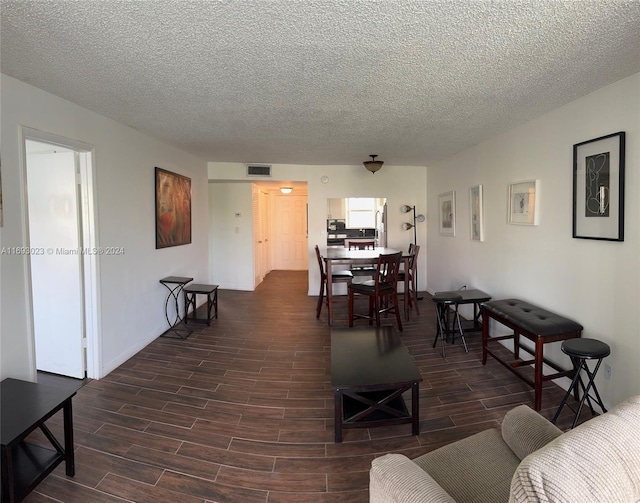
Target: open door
(56, 259)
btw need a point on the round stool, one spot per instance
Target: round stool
(443, 302)
(580, 350)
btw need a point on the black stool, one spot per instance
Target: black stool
(580, 350)
(444, 301)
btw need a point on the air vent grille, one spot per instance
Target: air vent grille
(258, 170)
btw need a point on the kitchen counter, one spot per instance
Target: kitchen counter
(339, 238)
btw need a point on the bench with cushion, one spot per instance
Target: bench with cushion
(534, 323)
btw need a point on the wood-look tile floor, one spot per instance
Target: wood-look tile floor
(242, 411)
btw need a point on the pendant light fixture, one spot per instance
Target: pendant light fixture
(373, 165)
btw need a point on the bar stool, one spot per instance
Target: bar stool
(443, 302)
(580, 350)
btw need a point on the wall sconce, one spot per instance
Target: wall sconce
(286, 190)
(416, 218)
(373, 165)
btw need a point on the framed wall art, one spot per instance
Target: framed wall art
(447, 205)
(475, 203)
(598, 188)
(523, 202)
(173, 209)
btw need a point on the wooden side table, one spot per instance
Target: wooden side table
(25, 407)
(190, 293)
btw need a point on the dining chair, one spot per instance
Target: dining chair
(410, 276)
(336, 277)
(362, 245)
(382, 288)
(363, 270)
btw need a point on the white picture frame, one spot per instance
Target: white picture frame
(476, 213)
(523, 202)
(447, 213)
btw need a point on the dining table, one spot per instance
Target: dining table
(337, 255)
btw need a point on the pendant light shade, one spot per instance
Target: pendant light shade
(373, 165)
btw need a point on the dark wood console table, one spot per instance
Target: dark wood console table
(370, 369)
(25, 407)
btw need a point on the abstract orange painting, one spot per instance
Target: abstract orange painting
(173, 209)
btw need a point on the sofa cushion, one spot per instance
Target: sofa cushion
(473, 470)
(599, 461)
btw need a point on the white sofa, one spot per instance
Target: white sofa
(527, 460)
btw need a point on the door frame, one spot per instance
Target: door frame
(91, 284)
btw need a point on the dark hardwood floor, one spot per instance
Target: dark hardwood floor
(242, 411)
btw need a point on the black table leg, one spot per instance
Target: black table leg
(70, 456)
(415, 408)
(338, 415)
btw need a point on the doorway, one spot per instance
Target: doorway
(62, 254)
(291, 233)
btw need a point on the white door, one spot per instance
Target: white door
(265, 218)
(56, 264)
(291, 233)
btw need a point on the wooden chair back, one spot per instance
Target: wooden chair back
(387, 271)
(362, 245)
(413, 257)
(323, 274)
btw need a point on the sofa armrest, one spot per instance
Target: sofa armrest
(394, 478)
(526, 431)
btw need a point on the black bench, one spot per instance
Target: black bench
(534, 323)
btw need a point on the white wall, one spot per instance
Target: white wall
(131, 298)
(597, 283)
(399, 184)
(231, 236)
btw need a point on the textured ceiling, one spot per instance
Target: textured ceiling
(320, 81)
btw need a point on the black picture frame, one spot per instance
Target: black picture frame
(173, 209)
(598, 188)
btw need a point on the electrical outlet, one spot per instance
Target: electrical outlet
(607, 371)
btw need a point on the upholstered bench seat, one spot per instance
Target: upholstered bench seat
(532, 318)
(534, 323)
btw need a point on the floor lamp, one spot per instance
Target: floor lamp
(406, 226)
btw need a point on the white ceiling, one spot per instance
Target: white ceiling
(321, 81)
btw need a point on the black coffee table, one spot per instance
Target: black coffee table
(370, 370)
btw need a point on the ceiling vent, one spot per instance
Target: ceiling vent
(258, 170)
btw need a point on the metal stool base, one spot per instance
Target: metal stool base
(579, 361)
(442, 330)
